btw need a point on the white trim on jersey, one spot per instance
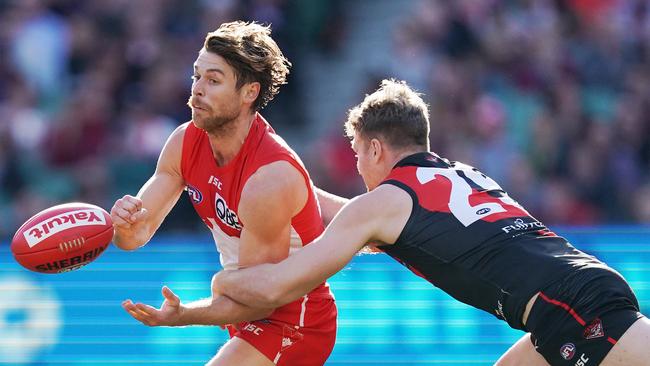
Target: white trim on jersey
(303, 310)
(228, 246)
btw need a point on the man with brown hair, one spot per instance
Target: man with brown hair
(252, 192)
(454, 226)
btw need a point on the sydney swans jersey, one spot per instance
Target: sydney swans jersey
(467, 237)
(215, 191)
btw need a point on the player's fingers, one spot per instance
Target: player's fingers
(146, 309)
(132, 310)
(119, 223)
(149, 315)
(170, 296)
(131, 205)
(122, 214)
(135, 201)
(140, 215)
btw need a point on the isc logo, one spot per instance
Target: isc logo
(225, 214)
(582, 361)
(253, 329)
(56, 224)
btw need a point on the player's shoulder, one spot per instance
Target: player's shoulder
(274, 177)
(175, 139)
(179, 132)
(170, 156)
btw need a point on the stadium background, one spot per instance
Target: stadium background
(550, 98)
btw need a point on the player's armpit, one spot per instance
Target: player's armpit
(330, 204)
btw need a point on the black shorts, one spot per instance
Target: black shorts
(578, 320)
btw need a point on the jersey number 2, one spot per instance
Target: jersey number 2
(461, 190)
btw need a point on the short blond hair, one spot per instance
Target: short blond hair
(394, 112)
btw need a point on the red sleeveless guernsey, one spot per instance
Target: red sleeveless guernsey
(215, 192)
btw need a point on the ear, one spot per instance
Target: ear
(377, 151)
(250, 92)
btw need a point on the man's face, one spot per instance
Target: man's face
(365, 164)
(215, 100)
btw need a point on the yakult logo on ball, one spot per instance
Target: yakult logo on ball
(64, 221)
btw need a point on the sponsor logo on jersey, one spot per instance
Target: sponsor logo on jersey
(195, 194)
(483, 211)
(499, 310)
(594, 330)
(582, 361)
(86, 217)
(519, 225)
(215, 182)
(567, 351)
(225, 214)
(286, 342)
(253, 329)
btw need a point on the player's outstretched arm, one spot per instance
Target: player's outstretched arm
(377, 216)
(136, 219)
(217, 310)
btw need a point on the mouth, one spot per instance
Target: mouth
(197, 106)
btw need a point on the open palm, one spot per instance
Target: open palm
(169, 314)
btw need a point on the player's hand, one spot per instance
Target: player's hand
(127, 211)
(169, 313)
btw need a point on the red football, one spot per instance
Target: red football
(63, 238)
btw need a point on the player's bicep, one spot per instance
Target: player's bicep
(269, 200)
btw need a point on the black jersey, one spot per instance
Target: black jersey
(466, 236)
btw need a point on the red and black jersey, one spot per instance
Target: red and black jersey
(466, 236)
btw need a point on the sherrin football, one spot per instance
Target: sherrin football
(62, 238)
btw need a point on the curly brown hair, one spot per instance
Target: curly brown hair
(249, 49)
(394, 112)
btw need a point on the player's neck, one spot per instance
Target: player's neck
(226, 145)
(398, 156)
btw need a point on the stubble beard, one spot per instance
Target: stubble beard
(216, 125)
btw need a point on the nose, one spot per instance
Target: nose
(197, 88)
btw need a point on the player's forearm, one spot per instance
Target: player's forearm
(267, 285)
(249, 286)
(219, 310)
(330, 204)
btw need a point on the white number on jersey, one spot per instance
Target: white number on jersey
(461, 190)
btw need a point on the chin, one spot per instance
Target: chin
(196, 122)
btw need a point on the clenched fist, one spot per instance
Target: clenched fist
(130, 223)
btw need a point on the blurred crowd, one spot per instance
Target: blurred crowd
(90, 90)
(550, 98)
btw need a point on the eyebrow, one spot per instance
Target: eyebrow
(218, 71)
